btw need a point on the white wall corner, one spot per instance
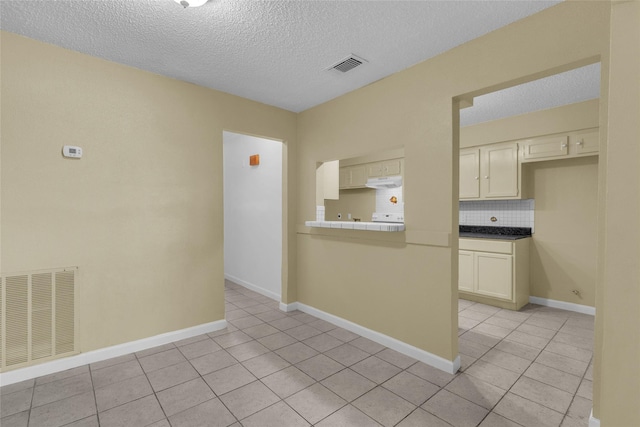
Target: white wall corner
(449, 366)
(593, 422)
(569, 306)
(289, 307)
(101, 354)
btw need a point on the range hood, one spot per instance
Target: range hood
(384, 182)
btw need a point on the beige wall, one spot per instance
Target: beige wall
(141, 213)
(359, 202)
(415, 108)
(563, 253)
(564, 250)
(617, 348)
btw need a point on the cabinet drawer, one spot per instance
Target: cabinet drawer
(485, 245)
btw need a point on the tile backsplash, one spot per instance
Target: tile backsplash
(509, 213)
(389, 200)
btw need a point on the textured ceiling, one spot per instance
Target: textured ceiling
(275, 52)
(580, 84)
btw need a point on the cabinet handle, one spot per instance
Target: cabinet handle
(563, 146)
(579, 142)
(486, 177)
(477, 177)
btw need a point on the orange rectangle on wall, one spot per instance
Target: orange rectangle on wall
(254, 160)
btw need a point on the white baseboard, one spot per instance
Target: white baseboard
(288, 307)
(593, 422)
(99, 355)
(253, 287)
(431, 359)
(584, 309)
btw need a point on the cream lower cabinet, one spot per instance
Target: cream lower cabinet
(494, 272)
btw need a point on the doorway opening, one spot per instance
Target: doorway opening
(548, 131)
(252, 173)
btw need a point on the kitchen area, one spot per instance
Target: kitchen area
(361, 193)
(527, 210)
(527, 206)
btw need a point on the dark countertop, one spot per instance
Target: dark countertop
(488, 232)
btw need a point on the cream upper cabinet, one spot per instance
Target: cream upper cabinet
(545, 148)
(352, 177)
(494, 272)
(490, 172)
(392, 167)
(374, 170)
(470, 173)
(499, 171)
(585, 142)
(575, 144)
(385, 168)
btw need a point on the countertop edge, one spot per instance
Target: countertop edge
(492, 236)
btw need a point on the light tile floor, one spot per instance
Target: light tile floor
(270, 368)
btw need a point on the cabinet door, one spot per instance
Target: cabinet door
(353, 176)
(499, 170)
(374, 170)
(545, 148)
(585, 142)
(469, 174)
(392, 167)
(465, 271)
(344, 178)
(358, 176)
(494, 275)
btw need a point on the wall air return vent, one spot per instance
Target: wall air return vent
(347, 64)
(37, 317)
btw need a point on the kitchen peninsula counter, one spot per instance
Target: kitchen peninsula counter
(357, 225)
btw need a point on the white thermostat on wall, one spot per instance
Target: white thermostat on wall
(72, 151)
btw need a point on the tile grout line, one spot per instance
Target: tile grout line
(150, 385)
(93, 389)
(33, 391)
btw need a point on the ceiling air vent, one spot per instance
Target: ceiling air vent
(347, 64)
